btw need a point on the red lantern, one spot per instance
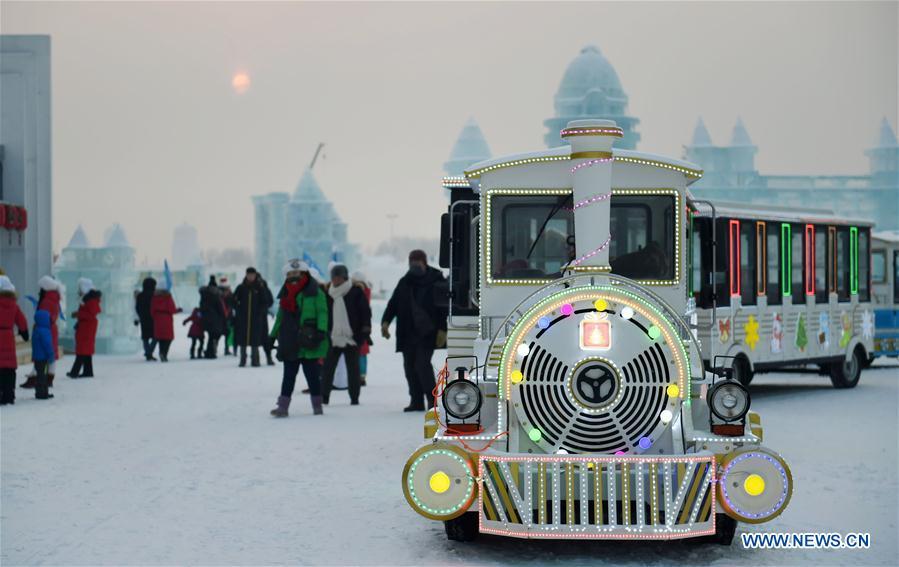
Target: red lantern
(11, 217)
(2, 216)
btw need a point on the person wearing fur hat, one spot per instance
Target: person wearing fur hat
(212, 309)
(142, 303)
(85, 329)
(42, 353)
(49, 300)
(350, 327)
(251, 301)
(301, 331)
(163, 310)
(11, 319)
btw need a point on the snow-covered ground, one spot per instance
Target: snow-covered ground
(181, 464)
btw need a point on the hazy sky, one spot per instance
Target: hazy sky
(148, 131)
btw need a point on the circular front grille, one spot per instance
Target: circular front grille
(594, 381)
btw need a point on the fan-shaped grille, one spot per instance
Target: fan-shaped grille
(547, 406)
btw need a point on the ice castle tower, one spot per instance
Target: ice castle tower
(302, 224)
(470, 148)
(111, 267)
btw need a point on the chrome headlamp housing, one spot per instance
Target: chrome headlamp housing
(728, 400)
(462, 399)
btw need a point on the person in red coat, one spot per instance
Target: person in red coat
(11, 318)
(85, 330)
(49, 299)
(163, 309)
(195, 332)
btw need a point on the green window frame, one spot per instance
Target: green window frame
(853, 260)
(786, 260)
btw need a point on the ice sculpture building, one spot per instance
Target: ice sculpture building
(302, 224)
(111, 267)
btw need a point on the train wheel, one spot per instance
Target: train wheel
(847, 373)
(463, 528)
(742, 371)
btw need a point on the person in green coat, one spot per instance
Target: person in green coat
(301, 333)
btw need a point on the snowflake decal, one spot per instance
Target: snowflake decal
(752, 332)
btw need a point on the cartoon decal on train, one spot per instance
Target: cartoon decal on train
(582, 397)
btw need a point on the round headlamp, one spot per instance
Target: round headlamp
(462, 399)
(728, 400)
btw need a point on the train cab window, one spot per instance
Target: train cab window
(747, 263)
(820, 265)
(879, 266)
(842, 264)
(643, 238)
(772, 263)
(532, 236)
(797, 251)
(863, 265)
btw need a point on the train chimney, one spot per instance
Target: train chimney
(591, 177)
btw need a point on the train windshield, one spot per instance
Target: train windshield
(532, 236)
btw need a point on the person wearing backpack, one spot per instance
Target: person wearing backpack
(301, 332)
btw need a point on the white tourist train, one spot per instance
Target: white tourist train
(575, 402)
(885, 290)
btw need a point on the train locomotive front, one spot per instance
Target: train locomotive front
(574, 402)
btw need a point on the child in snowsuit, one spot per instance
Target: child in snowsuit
(42, 353)
(195, 332)
(11, 317)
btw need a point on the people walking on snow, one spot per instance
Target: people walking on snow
(301, 332)
(49, 300)
(420, 327)
(42, 353)
(360, 280)
(350, 327)
(163, 309)
(266, 344)
(195, 332)
(142, 303)
(228, 305)
(11, 319)
(85, 329)
(212, 309)
(251, 300)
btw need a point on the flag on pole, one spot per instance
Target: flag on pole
(168, 275)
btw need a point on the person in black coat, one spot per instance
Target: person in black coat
(144, 318)
(212, 309)
(251, 300)
(420, 327)
(349, 327)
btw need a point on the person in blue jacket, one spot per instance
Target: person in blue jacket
(42, 353)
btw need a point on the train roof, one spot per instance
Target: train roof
(775, 212)
(891, 236)
(690, 170)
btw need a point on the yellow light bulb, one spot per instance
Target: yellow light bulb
(672, 390)
(517, 376)
(754, 485)
(600, 304)
(439, 482)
